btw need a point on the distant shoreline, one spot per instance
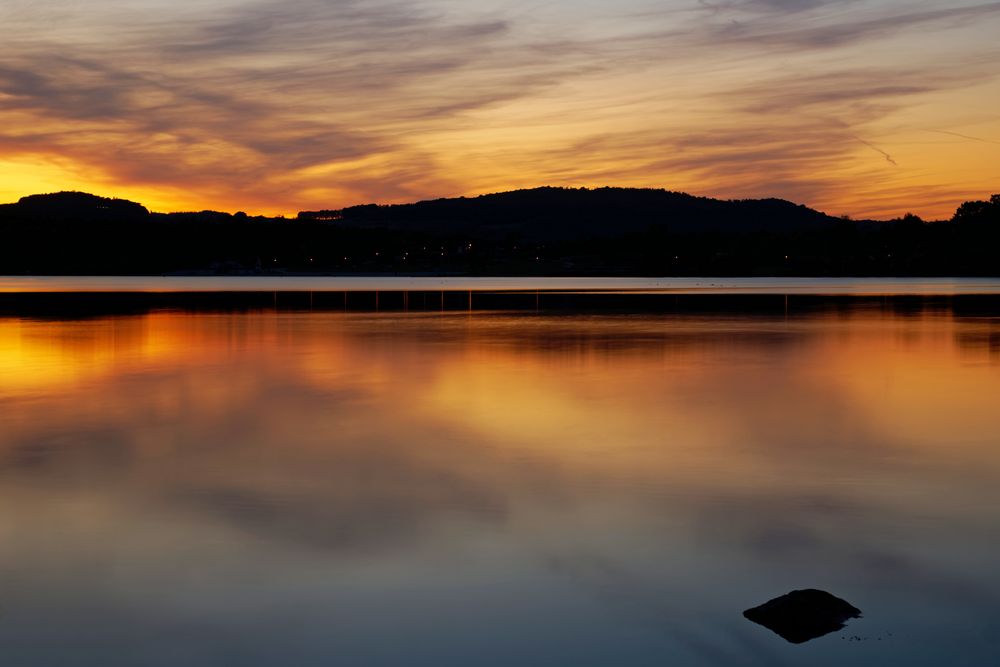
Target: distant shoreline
(546, 231)
(860, 286)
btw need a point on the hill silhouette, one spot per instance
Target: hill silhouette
(543, 231)
(78, 206)
(559, 213)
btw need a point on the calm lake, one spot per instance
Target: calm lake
(548, 483)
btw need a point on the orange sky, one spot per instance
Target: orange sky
(870, 108)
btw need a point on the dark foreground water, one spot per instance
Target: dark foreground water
(310, 487)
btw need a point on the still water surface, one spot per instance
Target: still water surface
(318, 488)
(684, 285)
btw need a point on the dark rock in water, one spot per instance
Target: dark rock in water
(803, 615)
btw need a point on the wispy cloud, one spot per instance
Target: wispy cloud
(248, 91)
(282, 105)
(757, 22)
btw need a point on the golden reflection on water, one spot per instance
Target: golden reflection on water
(530, 379)
(338, 458)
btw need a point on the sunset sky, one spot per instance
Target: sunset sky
(863, 107)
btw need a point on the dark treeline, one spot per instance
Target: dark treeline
(546, 231)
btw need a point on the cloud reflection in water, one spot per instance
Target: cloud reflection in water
(496, 488)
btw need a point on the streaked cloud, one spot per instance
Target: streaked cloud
(278, 106)
(745, 23)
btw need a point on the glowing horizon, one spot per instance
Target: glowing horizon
(868, 108)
